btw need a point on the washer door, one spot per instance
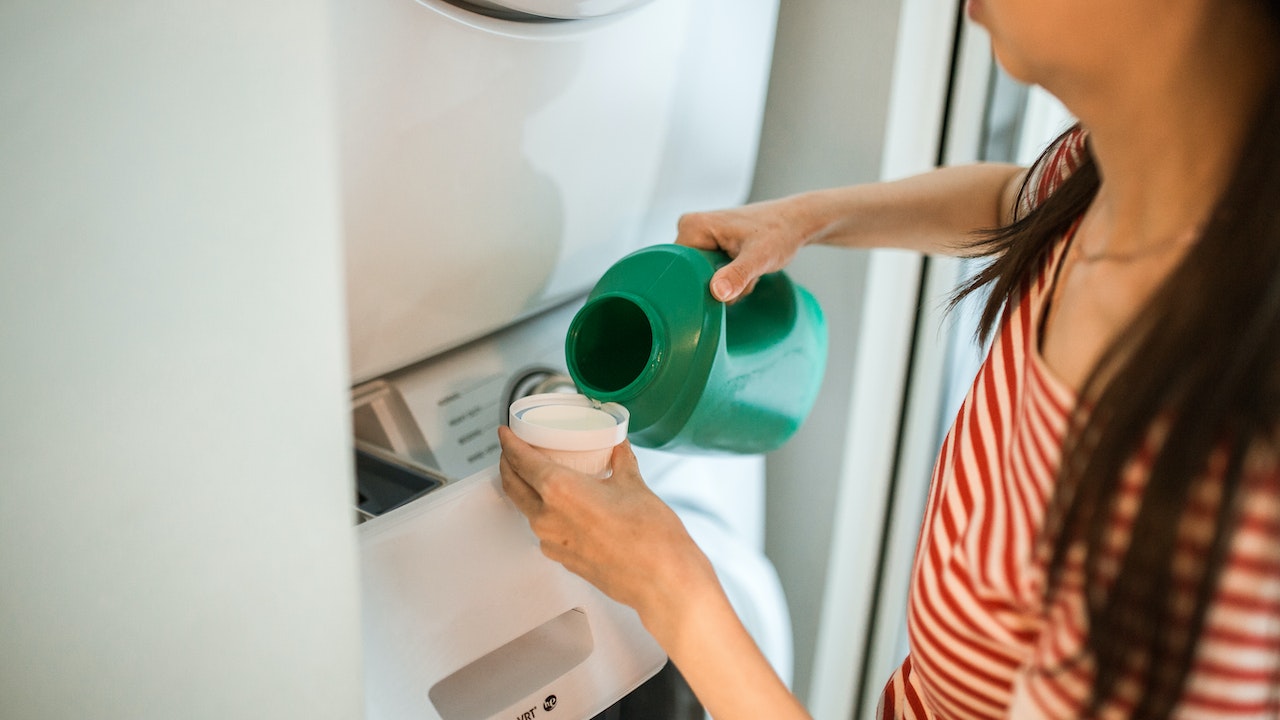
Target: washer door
(535, 10)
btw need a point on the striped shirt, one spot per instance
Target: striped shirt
(984, 642)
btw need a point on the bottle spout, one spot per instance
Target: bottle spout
(611, 347)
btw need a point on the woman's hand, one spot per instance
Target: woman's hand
(933, 213)
(761, 238)
(614, 532)
(623, 539)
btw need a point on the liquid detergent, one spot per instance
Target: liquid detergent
(571, 429)
(698, 375)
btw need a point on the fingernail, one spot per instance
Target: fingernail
(721, 289)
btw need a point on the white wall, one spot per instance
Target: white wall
(175, 537)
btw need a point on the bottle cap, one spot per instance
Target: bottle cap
(573, 429)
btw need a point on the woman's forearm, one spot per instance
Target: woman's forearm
(932, 213)
(718, 658)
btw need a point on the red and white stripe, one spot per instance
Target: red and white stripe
(983, 642)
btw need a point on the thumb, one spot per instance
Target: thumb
(730, 281)
(624, 462)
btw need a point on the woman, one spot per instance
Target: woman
(1102, 537)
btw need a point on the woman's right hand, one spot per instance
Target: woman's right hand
(760, 238)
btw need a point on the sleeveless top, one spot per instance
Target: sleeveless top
(984, 642)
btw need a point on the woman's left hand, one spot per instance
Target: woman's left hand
(623, 539)
(614, 532)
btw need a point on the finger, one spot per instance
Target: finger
(733, 280)
(525, 460)
(696, 230)
(526, 500)
(624, 462)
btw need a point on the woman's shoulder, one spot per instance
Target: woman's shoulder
(1063, 156)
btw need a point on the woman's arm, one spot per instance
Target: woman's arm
(718, 658)
(619, 536)
(623, 539)
(930, 213)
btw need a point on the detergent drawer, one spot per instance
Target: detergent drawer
(465, 619)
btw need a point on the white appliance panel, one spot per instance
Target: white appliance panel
(453, 585)
(490, 168)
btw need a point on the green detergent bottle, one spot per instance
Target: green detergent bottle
(698, 375)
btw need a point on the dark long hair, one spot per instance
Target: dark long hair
(1202, 358)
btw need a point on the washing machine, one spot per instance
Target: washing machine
(496, 158)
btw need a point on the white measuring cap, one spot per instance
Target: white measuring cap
(572, 429)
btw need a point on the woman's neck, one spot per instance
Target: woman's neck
(1167, 136)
